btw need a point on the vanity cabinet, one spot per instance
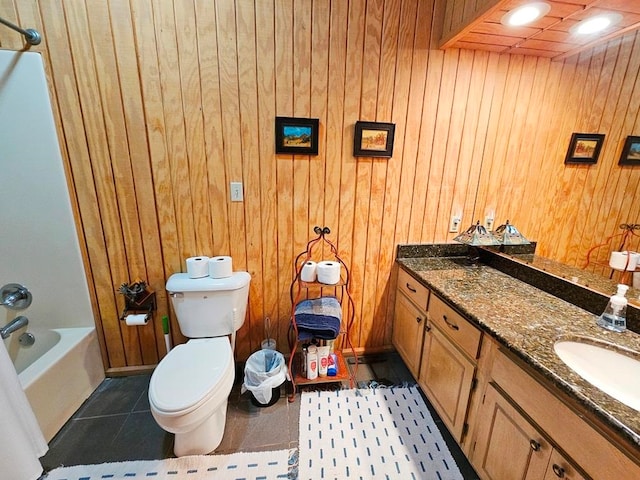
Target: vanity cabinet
(409, 320)
(511, 419)
(503, 428)
(448, 366)
(545, 434)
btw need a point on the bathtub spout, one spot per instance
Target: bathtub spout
(15, 324)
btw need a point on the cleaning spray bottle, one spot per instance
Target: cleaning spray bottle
(614, 316)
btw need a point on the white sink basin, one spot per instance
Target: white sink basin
(614, 370)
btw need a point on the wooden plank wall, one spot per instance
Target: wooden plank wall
(161, 103)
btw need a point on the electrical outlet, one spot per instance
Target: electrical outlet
(237, 195)
(488, 223)
(454, 226)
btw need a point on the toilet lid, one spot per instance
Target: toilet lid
(189, 373)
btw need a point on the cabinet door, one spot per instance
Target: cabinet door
(408, 329)
(507, 445)
(559, 467)
(446, 375)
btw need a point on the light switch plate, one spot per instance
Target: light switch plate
(237, 193)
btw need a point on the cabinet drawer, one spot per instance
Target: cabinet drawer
(413, 289)
(455, 326)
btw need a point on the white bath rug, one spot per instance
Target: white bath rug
(384, 433)
(237, 466)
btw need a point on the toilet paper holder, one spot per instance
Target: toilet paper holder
(137, 299)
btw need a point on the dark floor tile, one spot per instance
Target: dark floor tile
(115, 395)
(385, 369)
(251, 428)
(142, 405)
(140, 438)
(84, 441)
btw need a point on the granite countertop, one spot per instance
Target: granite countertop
(528, 321)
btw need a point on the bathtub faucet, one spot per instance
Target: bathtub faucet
(15, 324)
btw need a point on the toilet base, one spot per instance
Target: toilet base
(204, 439)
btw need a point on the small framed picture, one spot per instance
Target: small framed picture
(630, 152)
(584, 148)
(298, 136)
(373, 139)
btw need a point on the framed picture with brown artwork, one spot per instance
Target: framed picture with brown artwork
(584, 148)
(373, 139)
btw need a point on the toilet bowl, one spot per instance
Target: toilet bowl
(188, 393)
(189, 388)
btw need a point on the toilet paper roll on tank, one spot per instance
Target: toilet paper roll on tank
(220, 267)
(197, 267)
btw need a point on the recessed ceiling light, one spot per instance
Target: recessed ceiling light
(525, 14)
(596, 24)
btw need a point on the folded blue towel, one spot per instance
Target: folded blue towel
(318, 318)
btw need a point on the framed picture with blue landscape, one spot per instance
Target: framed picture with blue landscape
(298, 136)
(630, 152)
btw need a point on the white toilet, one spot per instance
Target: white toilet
(189, 388)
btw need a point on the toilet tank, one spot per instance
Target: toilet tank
(209, 307)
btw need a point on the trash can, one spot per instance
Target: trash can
(264, 372)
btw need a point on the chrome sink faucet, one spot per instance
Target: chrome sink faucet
(15, 324)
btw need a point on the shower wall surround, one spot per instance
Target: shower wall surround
(38, 241)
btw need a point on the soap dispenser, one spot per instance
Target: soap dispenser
(614, 316)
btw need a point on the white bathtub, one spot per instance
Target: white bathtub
(58, 372)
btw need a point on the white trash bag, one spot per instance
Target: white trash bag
(264, 371)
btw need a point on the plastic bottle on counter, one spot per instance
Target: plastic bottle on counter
(614, 316)
(332, 367)
(312, 362)
(323, 360)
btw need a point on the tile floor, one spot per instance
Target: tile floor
(115, 423)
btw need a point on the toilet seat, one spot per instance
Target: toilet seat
(190, 375)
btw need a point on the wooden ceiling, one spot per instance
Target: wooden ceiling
(475, 24)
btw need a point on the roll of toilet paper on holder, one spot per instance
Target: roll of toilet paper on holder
(197, 267)
(220, 267)
(328, 272)
(136, 319)
(308, 273)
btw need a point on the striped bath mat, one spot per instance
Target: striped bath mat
(371, 434)
(246, 466)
